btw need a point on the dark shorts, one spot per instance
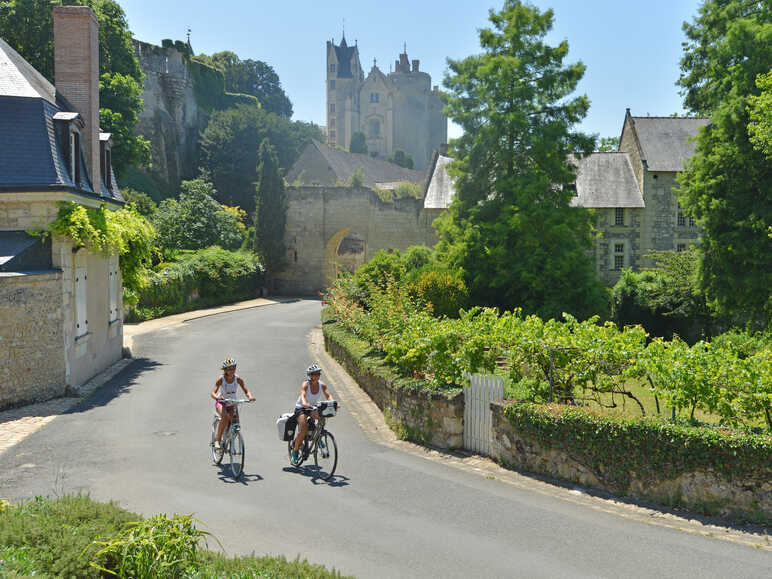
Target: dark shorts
(229, 408)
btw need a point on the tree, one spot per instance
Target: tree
(358, 143)
(510, 228)
(609, 144)
(253, 77)
(229, 149)
(142, 202)
(760, 111)
(270, 210)
(27, 25)
(727, 184)
(401, 158)
(196, 220)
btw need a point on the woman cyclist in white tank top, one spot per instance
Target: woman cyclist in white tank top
(227, 386)
(311, 391)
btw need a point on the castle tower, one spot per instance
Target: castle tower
(344, 80)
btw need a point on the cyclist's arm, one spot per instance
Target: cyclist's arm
(213, 393)
(245, 389)
(326, 392)
(303, 399)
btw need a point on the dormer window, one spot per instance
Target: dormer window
(70, 127)
(72, 157)
(105, 157)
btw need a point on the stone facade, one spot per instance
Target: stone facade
(735, 498)
(400, 110)
(171, 119)
(328, 227)
(431, 418)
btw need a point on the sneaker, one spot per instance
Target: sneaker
(294, 459)
(322, 444)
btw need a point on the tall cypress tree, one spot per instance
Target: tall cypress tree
(270, 209)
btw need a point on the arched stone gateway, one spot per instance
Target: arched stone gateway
(329, 228)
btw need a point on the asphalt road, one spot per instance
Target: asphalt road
(142, 440)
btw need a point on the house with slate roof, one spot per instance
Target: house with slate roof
(60, 305)
(631, 191)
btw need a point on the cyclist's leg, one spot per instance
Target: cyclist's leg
(225, 420)
(301, 431)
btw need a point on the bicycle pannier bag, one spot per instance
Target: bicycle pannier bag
(285, 426)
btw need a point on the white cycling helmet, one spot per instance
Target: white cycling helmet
(228, 362)
(314, 369)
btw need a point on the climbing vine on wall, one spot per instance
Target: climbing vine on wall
(105, 231)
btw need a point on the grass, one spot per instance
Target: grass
(61, 537)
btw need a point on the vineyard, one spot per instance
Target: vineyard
(727, 381)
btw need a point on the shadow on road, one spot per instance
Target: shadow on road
(315, 474)
(120, 384)
(225, 476)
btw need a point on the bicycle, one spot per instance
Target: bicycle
(319, 441)
(232, 441)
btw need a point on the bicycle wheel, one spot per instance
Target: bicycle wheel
(326, 455)
(236, 450)
(216, 454)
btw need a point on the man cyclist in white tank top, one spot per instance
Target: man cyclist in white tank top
(227, 386)
(311, 391)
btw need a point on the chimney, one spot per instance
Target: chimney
(76, 75)
(415, 65)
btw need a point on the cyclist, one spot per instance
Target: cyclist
(226, 386)
(311, 391)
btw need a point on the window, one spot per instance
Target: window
(332, 68)
(75, 156)
(332, 85)
(619, 248)
(81, 320)
(681, 247)
(619, 256)
(619, 216)
(374, 97)
(332, 137)
(691, 222)
(374, 128)
(114, 291)
(681, 217)
(332, 107)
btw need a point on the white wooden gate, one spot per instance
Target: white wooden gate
(482, 390)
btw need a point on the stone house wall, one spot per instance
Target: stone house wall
(51, 296)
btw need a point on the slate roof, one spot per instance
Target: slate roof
(344, 53)
(20, 251)
(439, 189)
(606, 180)
(667, 141)
(343, 164)
(32, 154)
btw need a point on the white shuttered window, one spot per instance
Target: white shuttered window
(113, 285)
(81, 320)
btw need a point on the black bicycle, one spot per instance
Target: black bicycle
(319, 442)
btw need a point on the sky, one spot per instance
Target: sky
(632, 50)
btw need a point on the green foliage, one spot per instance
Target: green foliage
(510, 228)
(61, 537)
(727, 183)
(138, 180)
(105, 231)
(444, 291)
(760, 114)
(270, 210)
(142, 202)
(666, 300)
(196, 220)
(402, 158)
(358, 143)
(53, 534)
(157, 547)
(198, 279)
(118, 115)
(357, 178)
(609, 144)
(385, 266)
(614, 449)
(230, 148)
(251, 77)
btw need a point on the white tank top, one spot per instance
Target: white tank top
(229, 390)
(310, 398)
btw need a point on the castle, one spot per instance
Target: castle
(399, 110)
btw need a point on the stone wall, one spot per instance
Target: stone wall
(319, 219)
(698, 490)
(431, 418)
(31, 338)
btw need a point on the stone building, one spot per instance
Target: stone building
(399, 110)
(630, 190)
(60, 306)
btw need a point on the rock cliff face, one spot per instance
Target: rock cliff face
(172, 119)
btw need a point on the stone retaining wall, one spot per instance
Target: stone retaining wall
(431, 418)
(705, 491)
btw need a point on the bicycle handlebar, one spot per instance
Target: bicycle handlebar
(236, 400)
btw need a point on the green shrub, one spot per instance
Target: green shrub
(202, 278)
(444, 290)
(381, 269)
